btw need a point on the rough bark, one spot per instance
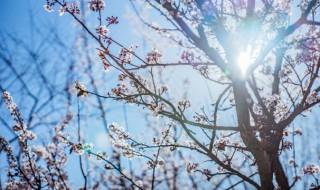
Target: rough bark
(281, 177)
(248, 136)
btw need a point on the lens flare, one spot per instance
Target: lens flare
(245, 59)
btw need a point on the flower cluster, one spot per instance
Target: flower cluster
(125, 55)
(122, 77)
(80, 148)
(221, 144)
(11, 159)
(19, 128)
(82, 90)
(183, 104)
(96, 5)
(311, 169)
(106, 65)
(28, 173)
(112, 20)
(167, 138)
(191, 167)
(164, 88)
(11, 106)
(188, 56)
(206, 171)
(48, 6)
(119, 139)
(154, 56)
(157, 108)
(312, 98)
(286, 145)
(69, 7)
(303, 5)
(297, 132)
(191, 144)
(152, 164)
(102, 31)
(200, 118)
(257, 109)
(196, 17)
(120, 90)
(293, 163)
(275, 102)
(139, 83)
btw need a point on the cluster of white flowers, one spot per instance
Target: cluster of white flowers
(297, 132)
(119, 90)
(196, 17)
(60, 136)
(154, 56)
(167, 138)
(200, 118)
(16, 185)
(311, 169)
(119, 139)
(96, 5)
(285, 72)
(312, 98)
(125, 55)
(82, 90)
(272, 101)
(106, 65)
(191, 144)
(25, 135)
(156, 110)
(48, 6)
(281, 108)
(183, 104)
(304, 5)
(206, 171)
(102, 155)
(52, 154)
(12, 107)
(19, 128)
(164, 88)
(46, 153)
(102, 30)
(71, 7)
(41, 151)
(221, 144)
(292, 162)
(187, 56)
(191, 167)
(122, 77)
(80, 148)
(140, 78)
(281, 111)
(257, 109)
(152, 164)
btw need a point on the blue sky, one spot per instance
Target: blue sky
(15, 18)
(18, 19)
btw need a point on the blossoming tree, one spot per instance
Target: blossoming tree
(263, 57)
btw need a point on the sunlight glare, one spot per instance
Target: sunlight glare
(245, 59)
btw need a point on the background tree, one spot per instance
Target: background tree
(260, 61)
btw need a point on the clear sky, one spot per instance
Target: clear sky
(18, 17)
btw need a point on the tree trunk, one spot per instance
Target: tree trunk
(249, 137)
(280, 175)
(264, 169)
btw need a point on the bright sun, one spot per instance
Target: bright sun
(245, 59)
